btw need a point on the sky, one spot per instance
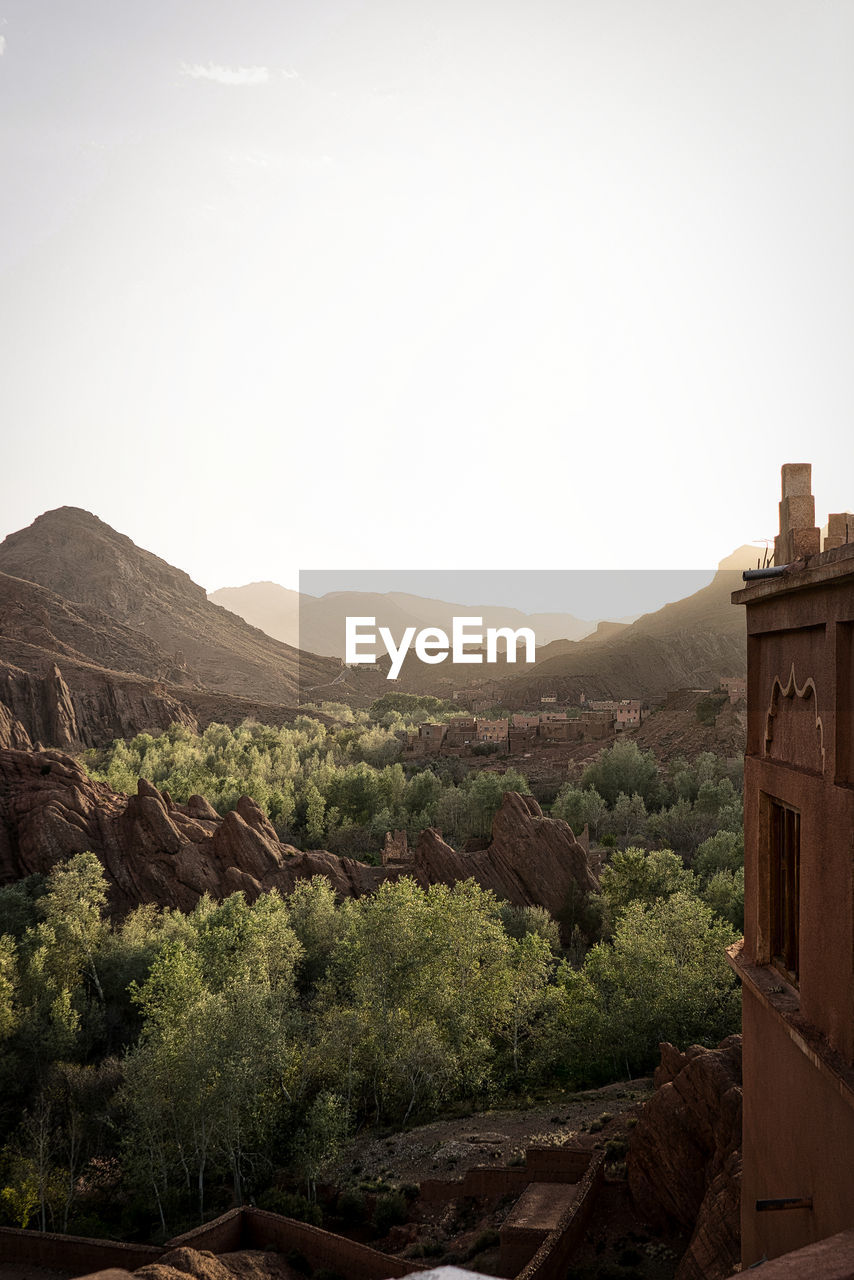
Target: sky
(425, 284)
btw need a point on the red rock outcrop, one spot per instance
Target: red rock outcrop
(684, 1158)
(530, 859)
(154, 850)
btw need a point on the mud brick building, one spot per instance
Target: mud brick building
(796, 961)
(735, 687)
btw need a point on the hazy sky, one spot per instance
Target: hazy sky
(425, 283)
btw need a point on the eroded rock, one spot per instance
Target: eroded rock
(684, 1158)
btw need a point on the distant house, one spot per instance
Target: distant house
(627, 712)
(736, 687)
(493, 731)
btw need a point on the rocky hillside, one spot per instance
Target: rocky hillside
(101, 639)
(154, 850)
(691, 643)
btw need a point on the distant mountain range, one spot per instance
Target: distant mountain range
(101, 639)
(317, 623)
(692, 643)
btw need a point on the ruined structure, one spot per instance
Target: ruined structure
(796, 961)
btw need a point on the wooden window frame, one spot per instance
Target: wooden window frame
(784, 850)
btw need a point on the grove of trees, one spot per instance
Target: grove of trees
(157, 1068)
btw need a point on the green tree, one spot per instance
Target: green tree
(664, 978)
(635, 876)
(624, 767)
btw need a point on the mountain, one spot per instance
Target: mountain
(100, 639)
(691, 643)
(316, 623)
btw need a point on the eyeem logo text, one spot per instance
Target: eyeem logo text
(432, 644)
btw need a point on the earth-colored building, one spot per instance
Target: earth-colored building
(796, 962)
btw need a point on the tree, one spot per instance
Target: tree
(723, 851)
(578, 808)
(314, 815)
(624, 767)
(664, 978)
(633, 875)
(320, 1139)
(628, 817)
(724, 893)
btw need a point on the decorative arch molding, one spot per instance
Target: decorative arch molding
(794, 730)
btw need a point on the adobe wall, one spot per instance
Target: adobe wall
(74, 1254)
(542, 1164)
(222, 1235)
(262, 1230)
(806, 1127)
(806, 762)
(554, 1255)
(831, 1259)
(483, 1180)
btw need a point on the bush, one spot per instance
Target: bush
(351, 1206)
(486, 1240)
(290, 1204)
(390, 1210)
(708, 708)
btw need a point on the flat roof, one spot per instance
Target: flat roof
(836, 563)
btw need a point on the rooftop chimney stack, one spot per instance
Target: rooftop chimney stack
(799, 535)
(840, 529)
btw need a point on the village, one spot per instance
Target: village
(550, 728)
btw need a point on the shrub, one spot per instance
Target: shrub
(351, 1206)
(391, 1209)
(290, 1204)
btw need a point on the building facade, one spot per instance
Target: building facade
(796, 961)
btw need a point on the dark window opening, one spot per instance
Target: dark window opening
(785, 887)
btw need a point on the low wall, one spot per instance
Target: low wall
(551, 1260)
(74, 1254)
(482, 1180)
(542, 1164)
(262, 1230)
(222, 1235)
(557, 1164)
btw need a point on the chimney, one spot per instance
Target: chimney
(840, 529)
(799, 535)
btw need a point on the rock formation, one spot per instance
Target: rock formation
(154, 850)
(530, 859)
(684, 1158)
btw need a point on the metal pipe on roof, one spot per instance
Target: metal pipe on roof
(772, 571)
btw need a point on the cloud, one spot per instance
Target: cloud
(225, 75)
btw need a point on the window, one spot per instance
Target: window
(785, 869)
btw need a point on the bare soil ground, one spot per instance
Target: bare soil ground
(447, 1148)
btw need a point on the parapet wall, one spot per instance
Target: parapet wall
(262, 1230)
(79, 1254)
(542, 1164)
(552, 1259)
